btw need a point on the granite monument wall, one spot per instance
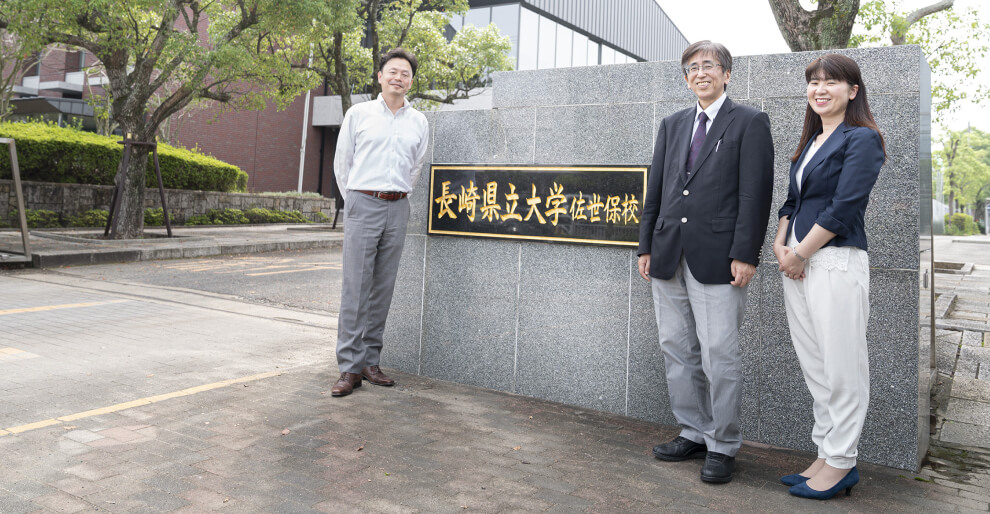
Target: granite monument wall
(575, 323)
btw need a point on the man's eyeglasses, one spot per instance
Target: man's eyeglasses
(694, 68)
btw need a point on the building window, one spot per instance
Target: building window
(32, 65)
(74, 61)
(580, 50)
(548, 41)
(529, 39)
(506, 18)
(479, 17)
(565, 37)
(608, 55)
(593, 54)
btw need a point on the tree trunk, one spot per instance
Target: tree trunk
(376, 51)
(828, 26)
(129, 218)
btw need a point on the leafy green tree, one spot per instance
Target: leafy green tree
(221, 50)
(16, 55)
(955, 44)
(361, 30)
(964, 162)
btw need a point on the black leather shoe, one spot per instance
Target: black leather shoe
(679, 449)
(718, 468)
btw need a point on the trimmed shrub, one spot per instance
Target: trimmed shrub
(90, 218)
(258, 215)
(37, 218)
(199, 219)
(960, 224)
(48, 153)
(238, 217)
(154, 217)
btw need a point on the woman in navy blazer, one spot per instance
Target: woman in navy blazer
(821, 248)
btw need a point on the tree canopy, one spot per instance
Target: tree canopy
(964, 163)
(953, 42)
(449, 69)
(222, 50)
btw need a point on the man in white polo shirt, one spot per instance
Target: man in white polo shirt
(380, 150)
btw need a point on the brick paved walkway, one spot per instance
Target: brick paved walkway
(143, 416)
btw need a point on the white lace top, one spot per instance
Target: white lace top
(828, 257)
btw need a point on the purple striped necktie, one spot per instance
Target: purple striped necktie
(699, 138)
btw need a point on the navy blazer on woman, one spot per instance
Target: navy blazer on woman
(836, 185)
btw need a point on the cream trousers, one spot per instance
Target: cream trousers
(827, 313)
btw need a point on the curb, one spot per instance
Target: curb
(108, 256)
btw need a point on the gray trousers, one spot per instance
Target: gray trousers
(374, 234)
(699, 327)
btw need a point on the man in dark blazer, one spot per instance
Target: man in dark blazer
(703, 224)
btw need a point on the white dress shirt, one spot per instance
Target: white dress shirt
(711, 111)
(378, 150)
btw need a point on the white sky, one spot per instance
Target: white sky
(748, 27)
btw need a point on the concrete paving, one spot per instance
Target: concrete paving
(137, 398)
(962, 398)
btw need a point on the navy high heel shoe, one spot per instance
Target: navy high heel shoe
(803, 491)
(793, 480)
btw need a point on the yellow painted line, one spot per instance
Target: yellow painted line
(57, 307)
(10, 351)
(256, 269)
(286, 271)
(135, 403)
(33, 426)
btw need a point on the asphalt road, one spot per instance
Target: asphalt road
(308, 280)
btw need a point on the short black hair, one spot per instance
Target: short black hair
(398, 53)
(707, 47)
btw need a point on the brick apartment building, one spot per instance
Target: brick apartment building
(267, 144)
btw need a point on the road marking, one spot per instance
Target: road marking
(314, 268)
(134, 403)
(13, 354)
(56, 307)
(248, 265)
(252, 269)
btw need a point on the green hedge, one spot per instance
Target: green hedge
(961, 224)
(48, 153)
(238, 217)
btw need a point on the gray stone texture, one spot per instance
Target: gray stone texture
(470, 311)
(573, 344)
(971, 389)
(576, 324)
(405, 327)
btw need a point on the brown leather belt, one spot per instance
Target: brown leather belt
(384, 195)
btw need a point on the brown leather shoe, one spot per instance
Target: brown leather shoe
(374, 375)
(346, 384)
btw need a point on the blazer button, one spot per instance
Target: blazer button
(683, 220)
(685, 193)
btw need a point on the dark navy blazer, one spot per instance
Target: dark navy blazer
(718, 214)
(836, 185)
